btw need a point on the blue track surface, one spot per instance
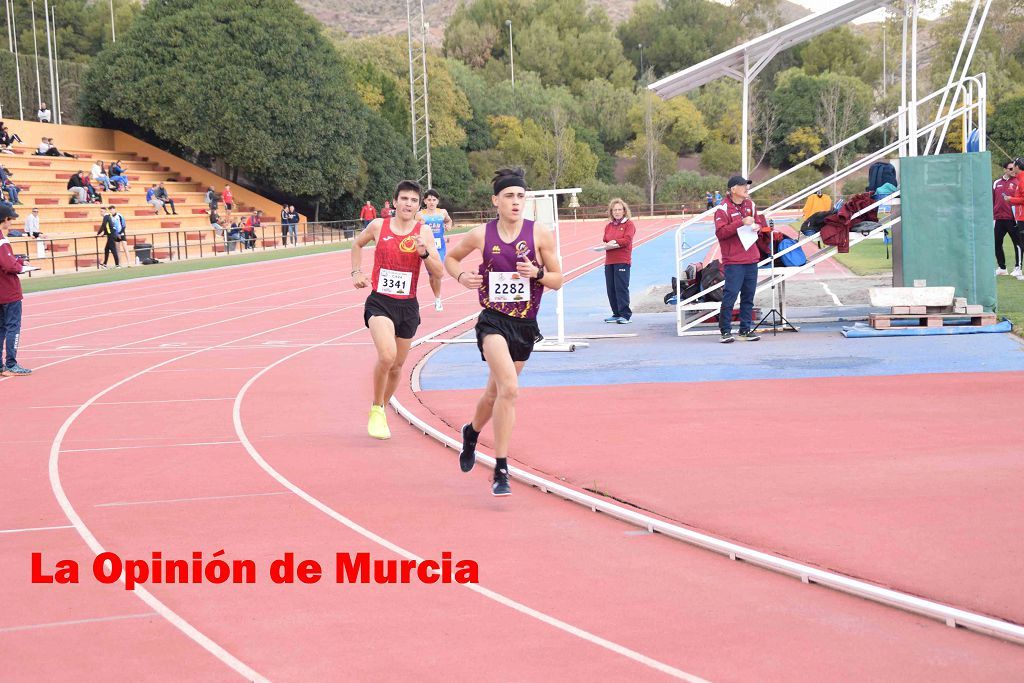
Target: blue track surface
(658, 355)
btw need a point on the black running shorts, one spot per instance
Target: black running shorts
(404, 313)
(520, 333)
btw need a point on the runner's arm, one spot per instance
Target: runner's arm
(433, 260)
(553, 278)
(369, 233)
(474, 239)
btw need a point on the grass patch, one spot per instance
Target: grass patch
(91, 277)
(867, 258)
(1010, 298)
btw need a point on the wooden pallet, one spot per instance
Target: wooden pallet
(883, 321)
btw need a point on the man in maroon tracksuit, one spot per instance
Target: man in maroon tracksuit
(10, 299)
(1006, 224)
(739, 263)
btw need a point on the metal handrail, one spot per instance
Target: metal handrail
(689, 304)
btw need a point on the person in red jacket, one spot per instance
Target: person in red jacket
(618, 259)
(1008, 211)
(10, 298)
(228, 198)
(368, 213)
(738, 214)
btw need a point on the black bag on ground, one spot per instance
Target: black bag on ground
(710, 276)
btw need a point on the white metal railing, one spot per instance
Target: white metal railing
(972, 91)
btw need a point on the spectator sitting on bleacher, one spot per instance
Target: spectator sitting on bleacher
(99, 174)
(32, 224)
(52, 151)
(117, 175)
(153, 200)
(43, 115)
(44, 147)
(251, 224)
(90, 189)
(8, 185)
(161, 194)
(77, 189)
(7, 139)
(215, 222)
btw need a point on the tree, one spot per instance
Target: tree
(601, 109)
(549, 153)
(677, 33)
(447, 102)
(841, 51)
(764, 117)
(681, 122)
(563, 41)
(721, 104)
(805, 142)
(188, 73)
(844, 105)
(720, 157)
(451, 174)
(1006, 128)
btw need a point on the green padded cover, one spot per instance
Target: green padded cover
(947, 224)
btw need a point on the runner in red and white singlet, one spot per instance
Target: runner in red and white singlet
(392, 312)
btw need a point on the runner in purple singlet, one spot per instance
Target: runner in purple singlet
(519, 261)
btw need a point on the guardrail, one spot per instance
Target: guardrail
(76, 253)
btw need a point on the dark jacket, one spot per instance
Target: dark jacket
(1001, 209)
(836, 231)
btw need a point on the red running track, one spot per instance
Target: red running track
(237, 420)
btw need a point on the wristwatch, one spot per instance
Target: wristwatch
(540, 273)
(425, 256)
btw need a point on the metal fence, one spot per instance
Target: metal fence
(69, 254)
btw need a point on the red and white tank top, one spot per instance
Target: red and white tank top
(396, 265)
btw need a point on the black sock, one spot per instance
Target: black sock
(501, 464)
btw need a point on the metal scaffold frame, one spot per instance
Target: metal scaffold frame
(419, 104)
(964, 97)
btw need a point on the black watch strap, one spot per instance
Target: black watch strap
(540, 273)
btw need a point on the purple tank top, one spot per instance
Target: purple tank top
(501, 256)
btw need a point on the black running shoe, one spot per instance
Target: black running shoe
(500, 487)
(749, 336)
(467, 458)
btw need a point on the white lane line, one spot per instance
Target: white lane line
(133, 290)
(90, 539)
(153, 445)
(187, 500)
(402, 552)
(75, 622)
(828, 291)
(133, 403)
(34, 528)
(248, 367)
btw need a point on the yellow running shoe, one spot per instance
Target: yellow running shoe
(378, 425)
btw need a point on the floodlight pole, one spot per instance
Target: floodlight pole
(912, 131)
(903, 85)
(746, 115)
